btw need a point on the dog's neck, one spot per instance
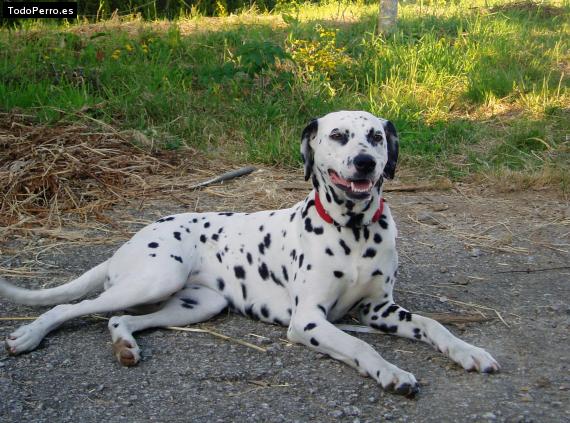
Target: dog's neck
(347, 212)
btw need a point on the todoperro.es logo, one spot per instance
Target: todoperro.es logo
(40, 9)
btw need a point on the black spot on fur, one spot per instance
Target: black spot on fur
(221, 284)
(293, 254)
(336, 199)
(263, 271)
(378, 307)
(225, 214)
(329, 251)
(382, 222)
(301, 257)
(207, 225)
(390, 310)
(261, 228)
(261, 247)
(292, 217)
(243, 291)
(318, 230)
(165, 219)
(324, 310)
(310, 326)
(377, 272)
(356, 362)
(385, 328)
(296, 300)
(177, 236)
(267, 240)
(177, 258)
(405, 315)
(310, 204)
(355, 231)
(153, 245)
(285, 274)
(275, 279)
(239, 272)
(249, 258)
(308, 225)
(344, 247)
(264, 311)
(365, 233)
(152, 255)
(219, 257)
(215, 237)
(314, 342)
(338, 274)
(203, 238)
(189, 301)
(377, 238)
(369, 253)
(277, 321)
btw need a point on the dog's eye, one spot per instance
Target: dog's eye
(337, 136)
(378, 137)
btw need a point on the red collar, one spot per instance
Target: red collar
(327, 217)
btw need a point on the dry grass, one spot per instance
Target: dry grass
(536, 7)
(51, 177)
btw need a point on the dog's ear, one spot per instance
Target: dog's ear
(393, 147)
(306, 151)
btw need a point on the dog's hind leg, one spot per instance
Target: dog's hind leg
(193, 304)
(119, 297)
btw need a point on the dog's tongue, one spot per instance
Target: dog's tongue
(336, 179)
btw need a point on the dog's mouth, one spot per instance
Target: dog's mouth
(355, 188)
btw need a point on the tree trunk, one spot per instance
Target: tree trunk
(387, 16)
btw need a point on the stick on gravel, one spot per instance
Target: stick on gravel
(225, 176)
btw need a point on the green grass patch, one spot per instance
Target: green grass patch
(485, 84)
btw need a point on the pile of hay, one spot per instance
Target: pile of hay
(46, 171)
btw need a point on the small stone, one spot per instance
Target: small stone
(352, 410)
(460, 280)
(427, 218)
(489, 416)
(475, 252)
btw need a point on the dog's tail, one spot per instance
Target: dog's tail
(77, 288)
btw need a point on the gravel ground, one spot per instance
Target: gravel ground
(454, 248)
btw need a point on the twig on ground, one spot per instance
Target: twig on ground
(225, 177)
(448, 300)
(545, 269)
(218, 335)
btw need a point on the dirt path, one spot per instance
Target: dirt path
(460, 253)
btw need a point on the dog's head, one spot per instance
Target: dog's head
(351, 151)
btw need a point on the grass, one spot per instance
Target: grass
(475, 88)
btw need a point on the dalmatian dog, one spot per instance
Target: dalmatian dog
(303, 267)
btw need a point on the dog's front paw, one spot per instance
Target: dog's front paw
(22, 340)
(396, 380)
(473, 358)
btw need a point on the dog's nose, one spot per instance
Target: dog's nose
(364, 163)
